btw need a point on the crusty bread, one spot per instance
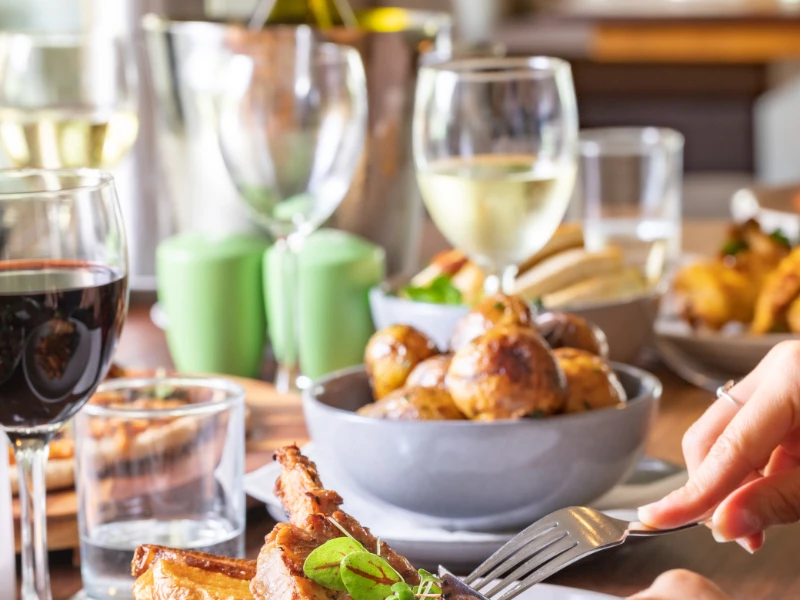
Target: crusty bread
(567, 268)
(627, 282)
(566, 237)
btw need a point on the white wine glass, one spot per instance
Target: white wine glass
(292, 124)
(67, 100)
(495, 147)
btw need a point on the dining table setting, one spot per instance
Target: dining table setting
(412, 332)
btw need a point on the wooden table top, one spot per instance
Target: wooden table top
(771, 574)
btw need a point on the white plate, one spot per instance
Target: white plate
(428, 547)
(727, 352)
(542, 591)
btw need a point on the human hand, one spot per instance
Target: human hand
(680, 585)
(744, 464)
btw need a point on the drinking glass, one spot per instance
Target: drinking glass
(292, 122)
(630, 187)
(495, 147)
(63, 300)
(67, 100)
(157, 461)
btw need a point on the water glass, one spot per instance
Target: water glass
(158, 461)
(629, 188)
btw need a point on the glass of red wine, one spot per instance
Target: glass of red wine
(63, 300)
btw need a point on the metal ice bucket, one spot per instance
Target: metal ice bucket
(383, 204)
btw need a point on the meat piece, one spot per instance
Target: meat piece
(311, 509)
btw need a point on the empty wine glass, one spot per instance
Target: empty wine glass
(495, 147)
(292, 123)
(67, 100)
(63, 300)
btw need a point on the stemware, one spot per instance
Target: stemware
(67, 100)
(63, 300)
(292, 123)
(495, 146)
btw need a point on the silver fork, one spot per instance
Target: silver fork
(544, 548)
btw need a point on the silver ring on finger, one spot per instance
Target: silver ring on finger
(723, 393)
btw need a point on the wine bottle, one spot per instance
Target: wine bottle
(317, 13)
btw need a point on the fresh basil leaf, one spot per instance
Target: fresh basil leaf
(323, 565)
(439, 291)
(367, 576)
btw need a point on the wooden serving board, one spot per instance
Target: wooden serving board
(275, 420)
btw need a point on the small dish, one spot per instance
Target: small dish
(477, 475)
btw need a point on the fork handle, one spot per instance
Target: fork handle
(637, 529)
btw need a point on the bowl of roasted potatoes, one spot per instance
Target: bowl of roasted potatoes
(727, 311)
(521, 415)
(598, 285)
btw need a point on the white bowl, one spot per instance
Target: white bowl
(628, 324)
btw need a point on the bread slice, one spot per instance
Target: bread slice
(619, 284)
(566, 268)
(566, 237)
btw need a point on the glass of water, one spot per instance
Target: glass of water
(158, 461)
(629, 184)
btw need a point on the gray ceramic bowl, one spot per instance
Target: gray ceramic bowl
(628, 324)
(470, 475)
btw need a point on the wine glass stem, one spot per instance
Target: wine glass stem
(31, 456)
(501, 280)
(289, 358)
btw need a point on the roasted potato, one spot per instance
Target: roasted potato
(781, 288)
(565, 330)
(591, 383)
(507, 373)
(430, 372)
(493, 311)
(414, 404)
(392, 353)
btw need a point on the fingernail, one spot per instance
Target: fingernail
(745, 543)
(646, 512)
(718, 537)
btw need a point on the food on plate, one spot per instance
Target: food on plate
(507, 373)
(494, 311)
(166, 573)
(780, 290)
(322, 552)
(754, 280)
(566, 330)
(430, 372)
(392, 353)
(414, 404)
(561, 273)
(591, 383)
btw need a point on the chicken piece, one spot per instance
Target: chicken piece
(493, 311)
(414, 404)
(710, 294)
(430, 372)
(591, 383)
(392, 353)
(279, 573)
(781, 288)
(793, 316)
(507, 373)
(566, 330)
(752, 252)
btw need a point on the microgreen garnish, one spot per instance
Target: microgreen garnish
(439, 291)
(342, 564)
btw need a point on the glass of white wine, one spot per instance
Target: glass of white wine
(292, 125)
(495, 146)
(67, 100)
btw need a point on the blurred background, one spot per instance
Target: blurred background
(722, 72)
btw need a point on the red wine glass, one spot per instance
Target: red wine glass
(63, 300)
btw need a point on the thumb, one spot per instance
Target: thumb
(772, 500)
